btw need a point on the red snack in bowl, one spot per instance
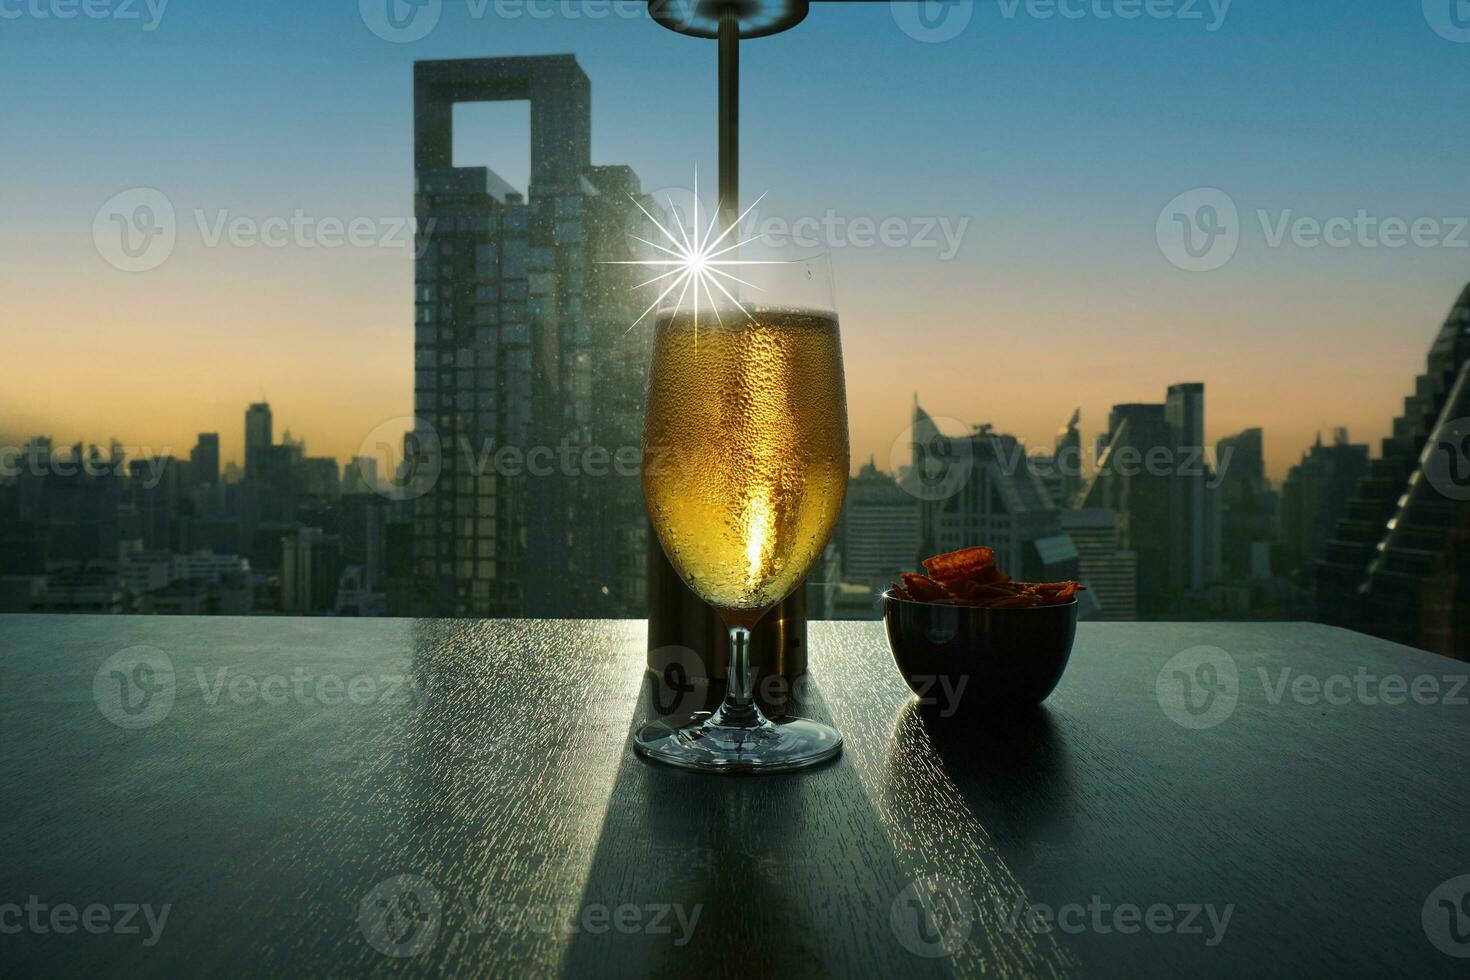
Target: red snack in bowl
(1061, 596)
(965, 563)
(974, 593)
(923, 589)
(991, 575)
(1015, 601)
(970, 577)
(964, 591)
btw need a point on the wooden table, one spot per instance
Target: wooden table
(361, 796)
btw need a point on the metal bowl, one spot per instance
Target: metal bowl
(960, 659)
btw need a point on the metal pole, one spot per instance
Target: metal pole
(729, 42)
(678, 620)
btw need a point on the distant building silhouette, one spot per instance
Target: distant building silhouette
(1109, 572)
(277, 480)
(879, 531)
(1153, 473)
(1315, 494)
(154, 491)
(1067, 458)
(1247, 507)
(1195, 507)
(1142, 500)
(360, 476)
(1398, 562)
(311, 568)
(64, 511)
(980, 489)
(204, 459)
(92, 530)
(258, 436)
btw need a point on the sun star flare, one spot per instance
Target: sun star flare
(694, 264)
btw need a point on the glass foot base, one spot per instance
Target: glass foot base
(707, 744)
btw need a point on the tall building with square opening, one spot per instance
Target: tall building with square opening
(528, 385)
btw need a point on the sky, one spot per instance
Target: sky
(1069, 154)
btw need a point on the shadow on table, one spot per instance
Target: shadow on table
(1011, 770)
(787, 875)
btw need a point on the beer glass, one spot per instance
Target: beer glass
(745, 464)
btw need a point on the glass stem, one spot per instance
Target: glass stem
(739, 707)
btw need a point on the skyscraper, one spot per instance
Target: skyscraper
(1109, 572)
(527, 383)
(153, 491)
(1068, 460)
(1398, 562)
(204, 458)
(1242, 461)
(258, 436)
(1184, 412)
(1140, 498)
(63, 513)
(1154, 474)
(880, 528)
(1247, 504)
(360, 476)
(980, 489)
(1316, 493)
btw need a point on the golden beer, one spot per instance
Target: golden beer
(745, 456)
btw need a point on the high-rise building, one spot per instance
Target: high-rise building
(319, 476)
(258, 436)
(360, 476)
(1140, 497)
(64, 513)
(1190, 521)
(1315, 494)
(1067, 461)
(527, 382)
(1398, 562)
(1109, 572)
(979, 489)
(1153, 473)
(154, 493)
(311, 567)
(204, 459)
(1247, 504)
(296, 448)
(277, 479)
(880, 528)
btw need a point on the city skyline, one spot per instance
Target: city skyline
(1060, 183)
(880, 449)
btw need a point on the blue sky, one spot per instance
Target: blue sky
(1058, 139)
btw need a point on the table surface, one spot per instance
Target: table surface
(314, 796)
